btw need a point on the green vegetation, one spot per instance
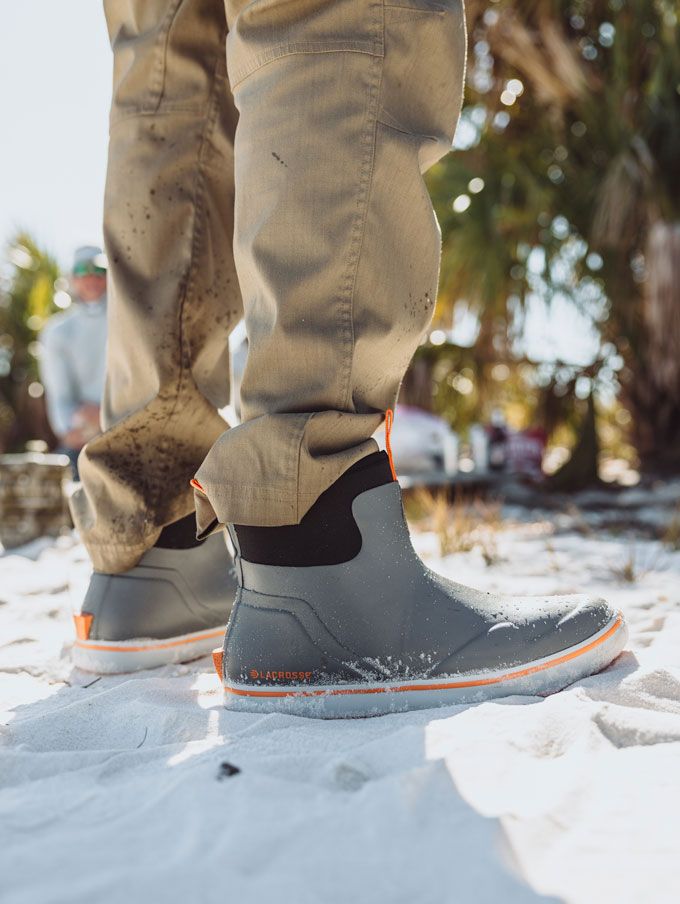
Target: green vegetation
(27, 292)
(565, 187)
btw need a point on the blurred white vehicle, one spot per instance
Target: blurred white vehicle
(421, 442)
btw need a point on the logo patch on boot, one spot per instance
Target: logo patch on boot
(278, 675)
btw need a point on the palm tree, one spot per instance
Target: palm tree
(27, 293)
(572, 127)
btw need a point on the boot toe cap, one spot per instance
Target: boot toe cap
(531, 629)
(557, 624)
(585, 617)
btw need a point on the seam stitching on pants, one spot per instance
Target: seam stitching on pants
(151, 100)
(196, 240)
(426, 10)
(168, 109)
(266, 487)
(371, 48)
(163, 59)
(415, 135)
(348, 285)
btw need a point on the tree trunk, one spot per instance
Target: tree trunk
(652, 382)
(580, 471)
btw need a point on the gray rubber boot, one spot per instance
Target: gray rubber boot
(382, 633)
(171, 607)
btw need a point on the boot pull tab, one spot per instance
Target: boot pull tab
(389, 420)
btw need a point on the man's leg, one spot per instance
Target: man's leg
(173, 292)
(343, 105)
(156, 595)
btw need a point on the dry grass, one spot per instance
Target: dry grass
(671, 536)
(627, 571)
(579, 522)
(460, 526)
(553, 560)
(634, 567)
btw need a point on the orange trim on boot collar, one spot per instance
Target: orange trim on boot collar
(389, 420)
(196, 485)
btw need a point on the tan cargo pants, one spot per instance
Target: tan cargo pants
(306, 211)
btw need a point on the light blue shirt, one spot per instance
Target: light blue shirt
(73, 360)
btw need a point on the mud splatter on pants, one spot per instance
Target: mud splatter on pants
(281, 179)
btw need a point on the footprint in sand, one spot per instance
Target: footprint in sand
(652, 627)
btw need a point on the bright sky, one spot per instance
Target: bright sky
(55, 71)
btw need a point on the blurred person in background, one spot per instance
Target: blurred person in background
(73, 359)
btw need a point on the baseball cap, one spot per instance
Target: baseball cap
(88, 259)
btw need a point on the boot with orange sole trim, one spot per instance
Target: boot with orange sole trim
(338, 617)
(171, 607)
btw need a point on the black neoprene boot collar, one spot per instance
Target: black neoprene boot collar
(327, 534)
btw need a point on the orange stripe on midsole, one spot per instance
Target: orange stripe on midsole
(208, 635)
(450, 685)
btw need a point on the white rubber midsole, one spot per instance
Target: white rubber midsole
(536, 678)
(112, 657)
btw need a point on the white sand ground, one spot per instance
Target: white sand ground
(114, 790)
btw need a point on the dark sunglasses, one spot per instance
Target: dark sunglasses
(88, 270)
